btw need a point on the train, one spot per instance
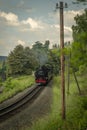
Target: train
(43, 75)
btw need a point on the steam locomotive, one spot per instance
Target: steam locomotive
(43, 75)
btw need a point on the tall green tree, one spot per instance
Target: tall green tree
(15, 60)
(30, 61)
(41, 51)
(38, 45)
(21, 61)
(79, 46)
(3, 70)
(46, 45)
(81, 24)
(54, 60)
(79, 51)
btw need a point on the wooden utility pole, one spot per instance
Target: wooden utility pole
(61, 6)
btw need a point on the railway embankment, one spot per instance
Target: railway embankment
(16, 97)
(31, 112)
(13, 86)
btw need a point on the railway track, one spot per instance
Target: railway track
(20, 101)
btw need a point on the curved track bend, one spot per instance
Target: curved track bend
(20, 101)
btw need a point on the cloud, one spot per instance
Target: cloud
(24, 29)
(57, 26)
(10, 18)
(68, 16)
(33, 29)
(21, 42)
(66, 28)
(33, 23)
(73, 12)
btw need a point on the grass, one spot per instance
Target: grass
(14, 85)
(76, 108)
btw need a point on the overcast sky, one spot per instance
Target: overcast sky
(27, 21)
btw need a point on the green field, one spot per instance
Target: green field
(13, 86)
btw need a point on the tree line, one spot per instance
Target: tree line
(23, 60)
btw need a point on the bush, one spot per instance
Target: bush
(8, 84)
(82, 69)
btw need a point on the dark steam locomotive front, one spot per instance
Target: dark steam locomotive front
(41, 75)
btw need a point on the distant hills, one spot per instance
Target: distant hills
(2, 58)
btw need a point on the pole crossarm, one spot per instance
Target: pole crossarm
(61, 5)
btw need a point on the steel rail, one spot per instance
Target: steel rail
(27, 97)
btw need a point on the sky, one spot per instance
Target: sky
(27, 21)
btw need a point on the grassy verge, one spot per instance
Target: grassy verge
(76, 108)
(13, 86)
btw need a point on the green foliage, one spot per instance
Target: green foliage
(41, 52)
(79, 51)
(24, 60)
(82, 69)
(8, 83)
(81, 24)
(54, 60)
(21, 61)
(3, 68)
(40, 46)
(79, 46)
(46, 45)
(12, 86)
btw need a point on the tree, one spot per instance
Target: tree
(79, 51)
(3, 71)
(54, 60)
(30, 61)
(81, 24)
(38, 45)
(15, 60)
(21, 61)
(41, 51)
(46, 45)
(55, 46)
(79, 46)
(46, 56)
